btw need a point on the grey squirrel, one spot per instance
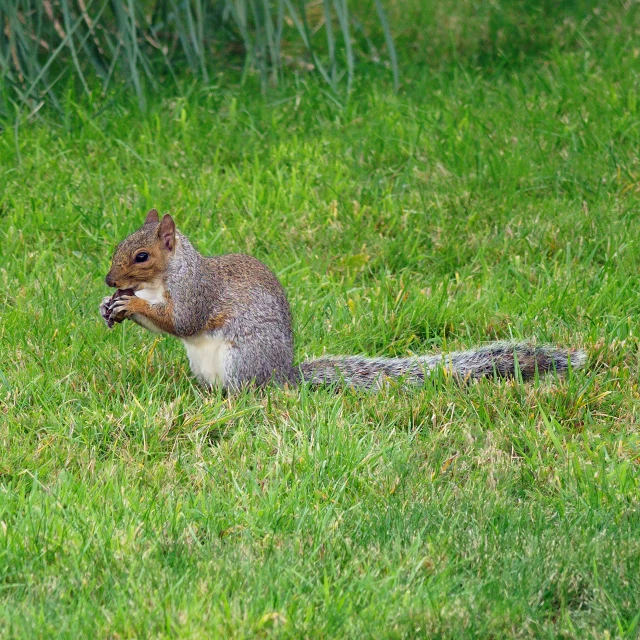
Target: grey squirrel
(232, 315)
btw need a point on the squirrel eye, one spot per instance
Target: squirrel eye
(143, 256)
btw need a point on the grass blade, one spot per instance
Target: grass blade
(343, 18)
(71, 45)
(393, 57)
(54, 55)
(304, 35)
(330, 39)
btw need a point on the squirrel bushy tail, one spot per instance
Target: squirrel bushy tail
(498, 358)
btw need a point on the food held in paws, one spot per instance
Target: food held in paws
(108, 308)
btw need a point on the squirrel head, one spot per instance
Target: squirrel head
(144, 255)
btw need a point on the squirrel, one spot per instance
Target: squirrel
(232, 315)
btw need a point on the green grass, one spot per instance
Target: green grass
(478, 203)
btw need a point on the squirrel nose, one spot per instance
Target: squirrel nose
(110, 281)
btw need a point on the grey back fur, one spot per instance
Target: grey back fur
(250, 302)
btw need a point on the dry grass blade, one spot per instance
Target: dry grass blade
(41, 73)
(304, 35)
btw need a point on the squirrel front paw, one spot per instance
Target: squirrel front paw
(108, 310)
(124, 307)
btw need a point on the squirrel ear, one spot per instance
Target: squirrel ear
(152, 216)
(167, 232)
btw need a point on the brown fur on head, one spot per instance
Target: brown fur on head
(156, 240)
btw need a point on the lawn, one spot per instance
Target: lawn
(485, 200)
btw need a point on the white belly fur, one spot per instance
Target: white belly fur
(207, 354)
(153, 293)
(146, 323)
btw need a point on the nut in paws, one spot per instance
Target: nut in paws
(110, 314)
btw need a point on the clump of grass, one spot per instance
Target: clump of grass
(144, 42)
(472, 205)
